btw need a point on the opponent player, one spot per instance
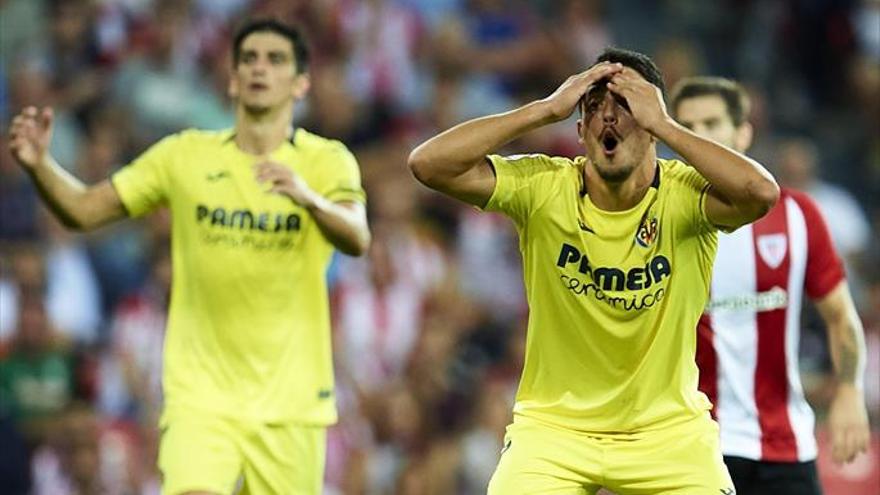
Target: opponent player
(747, 347)
(256, 213)
(617, 251)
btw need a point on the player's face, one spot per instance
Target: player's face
(614, 142)
(708, 117)
(265, 75)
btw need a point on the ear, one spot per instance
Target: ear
(744, 135)
(580, 125)
(232, 89)
(301, 85)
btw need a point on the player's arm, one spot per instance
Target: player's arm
(343, 223)
(848, 418)
(742, 189)
(77, 205)
(454, 162)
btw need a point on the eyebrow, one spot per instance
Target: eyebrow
(598, 89)
(271, 53)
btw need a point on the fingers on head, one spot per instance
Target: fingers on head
(46, 116)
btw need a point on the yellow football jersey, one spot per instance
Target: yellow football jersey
(614, 297)
(249, 328)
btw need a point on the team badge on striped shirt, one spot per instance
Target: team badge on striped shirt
(772, 248)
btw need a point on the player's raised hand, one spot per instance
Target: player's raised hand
(848, 425)
(564, 100)
(645, 100)
(285, 182)
(29, 136)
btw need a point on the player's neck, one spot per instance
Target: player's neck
(623, 195)
(263, 132)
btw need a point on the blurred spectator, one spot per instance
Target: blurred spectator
(130, 376)
(457, 88)
(22, 29)
(37, 377)
(798, 168)
(487, 244)
(23, 271)
(73, 56)
(87, 455)
(14, 459)
(866, 21)
(160, 84)
(336, 112)
(487, 435)
(118, 252)
(73, 297)
(582, 32)
(378, 310)
(381, 40)
(508, 43)
(678, 58)
(30, 84)
(18, 199)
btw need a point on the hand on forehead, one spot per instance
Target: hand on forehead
(629, 73)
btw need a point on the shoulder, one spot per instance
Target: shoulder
(676, 171)
(198, 137)
(312, 142)
(804, 202)
(537, 163)
(677, 177)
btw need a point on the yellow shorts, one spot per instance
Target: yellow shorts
(203, 452)
(542, 459)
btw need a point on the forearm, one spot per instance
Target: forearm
(847, 351)
(63, 193)
(345, 227)
(77, 205)
(743, 182)
(457, 150)
(845, 335)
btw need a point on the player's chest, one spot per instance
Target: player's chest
(618, 260)
(233, 179)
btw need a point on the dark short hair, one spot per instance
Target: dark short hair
(639, 62)
(297, 40)
(735, 97)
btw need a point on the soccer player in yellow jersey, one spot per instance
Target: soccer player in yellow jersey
(256, 213)
(617, 250)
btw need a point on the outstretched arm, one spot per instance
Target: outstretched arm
(454, 163)
(742, 189)
(848, 418)
(77, 205)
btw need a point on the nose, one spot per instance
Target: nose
(609, 111)
(259, 65)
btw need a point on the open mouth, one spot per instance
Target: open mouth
(257, 86)
(609, 142)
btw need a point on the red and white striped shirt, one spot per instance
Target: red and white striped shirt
(747, 346)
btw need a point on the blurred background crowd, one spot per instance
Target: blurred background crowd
(429, 327)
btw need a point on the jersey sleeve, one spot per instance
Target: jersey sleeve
(343, 177)
(824, 269)
(694, 191)
(142, 185)
(518, 184)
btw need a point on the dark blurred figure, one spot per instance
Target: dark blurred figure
(74, 56)
(798, 164)
(37, 378)
(14, 469)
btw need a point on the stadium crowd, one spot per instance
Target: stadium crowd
(429, 326)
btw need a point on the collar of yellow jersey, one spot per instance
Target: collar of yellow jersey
(291, 137)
